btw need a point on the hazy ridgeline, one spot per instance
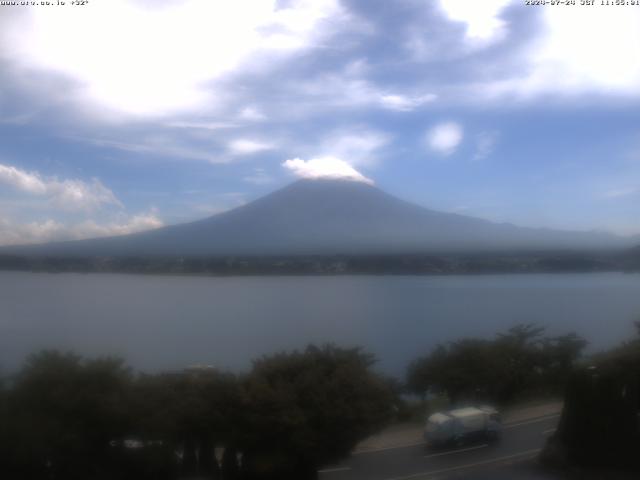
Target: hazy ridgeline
(329, 217)
(67, 417)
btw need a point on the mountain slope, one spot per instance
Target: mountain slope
(329, 217)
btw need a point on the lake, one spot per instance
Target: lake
(169, 322)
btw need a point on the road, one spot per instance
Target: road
(521, 442)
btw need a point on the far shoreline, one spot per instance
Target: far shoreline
(418, 264)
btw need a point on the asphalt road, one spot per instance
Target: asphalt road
(510, 458)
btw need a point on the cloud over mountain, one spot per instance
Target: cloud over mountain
(325, 168)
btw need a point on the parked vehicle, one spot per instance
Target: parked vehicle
(462, 425)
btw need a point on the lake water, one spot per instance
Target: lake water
(165, 322)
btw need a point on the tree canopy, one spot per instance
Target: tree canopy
(309, 408)
(520, 361)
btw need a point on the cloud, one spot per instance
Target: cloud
(251, 114)
(164, 146)
(77, 194)
(405, 103)
(485, 143)
(349, 87)
(162, 59)
(21, 180)
(325, 167)
(69, 194)
(213, 126)
(482, 19)
(444, 138)
(245, 146)
(578, 51)
(12, 233)
(343, 88)
(591, 48)
(258, 177)
(356, 144)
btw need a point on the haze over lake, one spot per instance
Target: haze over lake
(165, 322)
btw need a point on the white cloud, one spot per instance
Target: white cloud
(29, 182)
(485, 143)
(17, 234)
(482, 18)
(341, 90)
(405, 103)
(325, 167)
(251, 114)
(77, 194)
(164, 146)
(69, 194)
(350, 88)
(12, 233)
(444, 138)
(213, 126)
(580, 51)
(590, 47)
(125, 226)
(245, 146)
(145, 59)
(359, 146)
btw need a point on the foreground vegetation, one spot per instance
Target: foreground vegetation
(64, 417)
(600, 424)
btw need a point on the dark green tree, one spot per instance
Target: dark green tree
(559, 357)
(5, 427)
(599, 423)
(423, 374)
(302, 410)
(518, 362)
(519, 359)
(190, 412)
(464, 370)
(66, 412)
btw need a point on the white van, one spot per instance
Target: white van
(462, 425)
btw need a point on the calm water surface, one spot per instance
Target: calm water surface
(170, 322)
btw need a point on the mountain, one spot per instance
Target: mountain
(328, 217)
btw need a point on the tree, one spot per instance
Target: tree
(463, 370)
(519, 359)
(304, 409)
(5, 426)
(599, 422)
(559, 356)
(65, 413)
(423, 374)
(515, 363)
(191, 412)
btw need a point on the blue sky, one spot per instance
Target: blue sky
(120, 116)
